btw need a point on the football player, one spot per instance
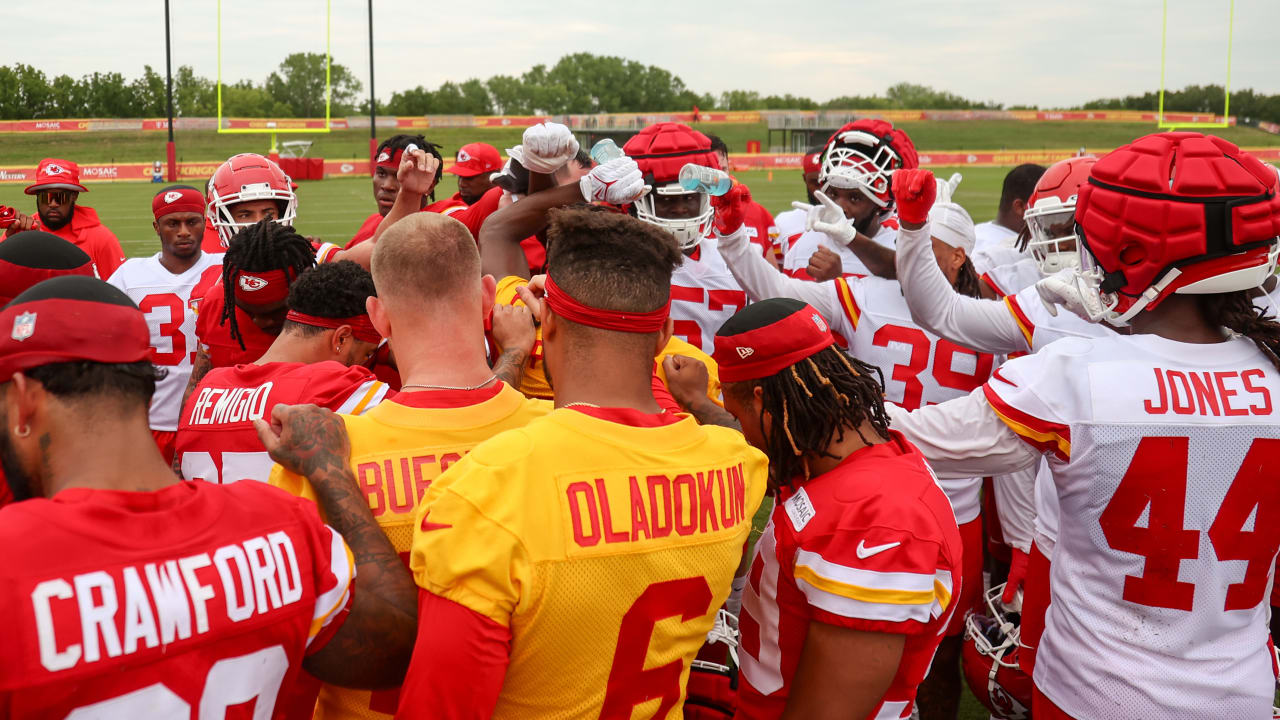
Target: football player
(142, 596)
(997, 238)
(451, 399)
(317, 358)
(57, 187)
(790, 223)
(870, 318)
(386, 185)
(854, 213)
(473, 165)
(1162, 442)
(562, 539)
(856, 574)
(163, 286)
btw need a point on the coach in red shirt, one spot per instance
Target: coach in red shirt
(56, 188)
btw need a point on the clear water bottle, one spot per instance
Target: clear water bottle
(700, 178)
(605, 150)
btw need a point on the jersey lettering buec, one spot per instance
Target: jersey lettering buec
(397, 449)
(871, 545)
(169, 305)
(605, 547)
(1164, 458)
(192, 597)
(216, 439)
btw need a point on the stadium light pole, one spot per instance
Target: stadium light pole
(373, 101)
(168, 72)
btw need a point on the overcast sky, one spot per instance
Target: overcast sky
(1044, 52)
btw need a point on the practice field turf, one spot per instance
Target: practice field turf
(933, 136)
(333, 209)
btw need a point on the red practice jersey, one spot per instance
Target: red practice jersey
(216, 438)
(871, 545)
(214, 334)
(184, 602)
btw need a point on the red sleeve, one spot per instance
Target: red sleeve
(474, 216)
(458, 665)
(662, 395)
(365, 231)
(107, 253)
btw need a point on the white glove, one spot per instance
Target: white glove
(947, 188)
(1062, 289)
(828, 218)
(616, 182)
(547, 147)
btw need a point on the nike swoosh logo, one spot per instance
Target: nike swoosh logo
(865, 552)
(428, 526)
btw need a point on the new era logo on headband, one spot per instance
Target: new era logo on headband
(464, 156)
(745, 352)
(251, 283)
(171, 196)
(24, 326)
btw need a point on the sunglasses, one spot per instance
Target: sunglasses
(59, 197)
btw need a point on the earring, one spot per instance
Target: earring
(22, 431)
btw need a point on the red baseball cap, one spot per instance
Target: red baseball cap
(55, 174)
(476, 158)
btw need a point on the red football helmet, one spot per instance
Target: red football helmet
(990, 660)
(1051, 214)
(661, 150)
(712, 690)
(1176, 212)
(863, 155)
(246, 177)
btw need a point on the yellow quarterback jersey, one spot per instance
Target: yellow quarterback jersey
(396, 453)
(534, 381)
(606, 549)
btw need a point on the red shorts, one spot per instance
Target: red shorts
(1042, 708)
(971, 542)
(165, 441)
(1035, 602)
(1275, 587)
(996, 545)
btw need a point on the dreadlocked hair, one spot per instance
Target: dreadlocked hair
(262, 247)
(1236, 312)
(967, 282)
(815, 402)
(396, 143)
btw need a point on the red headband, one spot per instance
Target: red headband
(177, 200)
(564, 305)
(387, 159)
(361, 326)
(262, 288)
(59, 330)
(15, 279)
(775, 347)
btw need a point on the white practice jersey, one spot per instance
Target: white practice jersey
(994, 245)
(790, 224)
(1012, 278)
(166, 300)
(798, 253)
(1164, 458)
(1046, 520)
(1039, 328)
(919, 367)
(704, 295)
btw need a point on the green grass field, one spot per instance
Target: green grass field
(333, 209)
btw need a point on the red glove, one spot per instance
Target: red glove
(1018, 561)
(731, 209)
(7, 216)
(913, 192)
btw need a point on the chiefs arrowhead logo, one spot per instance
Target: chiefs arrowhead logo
(384, 156)
(464, 156)
(251, 283)
(745, 352)
(817, 320)
(52, 169)
(24, 326)
(171, 196)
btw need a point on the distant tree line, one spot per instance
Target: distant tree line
(577, 83)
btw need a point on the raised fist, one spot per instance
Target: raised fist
(731, 209)
(616, 182)
(547, 147)
(914, 191)
(417, 171)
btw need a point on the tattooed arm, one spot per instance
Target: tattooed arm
(372, 648)
(515, 334)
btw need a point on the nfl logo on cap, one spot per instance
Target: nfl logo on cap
(24, 326)
(817, 320)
